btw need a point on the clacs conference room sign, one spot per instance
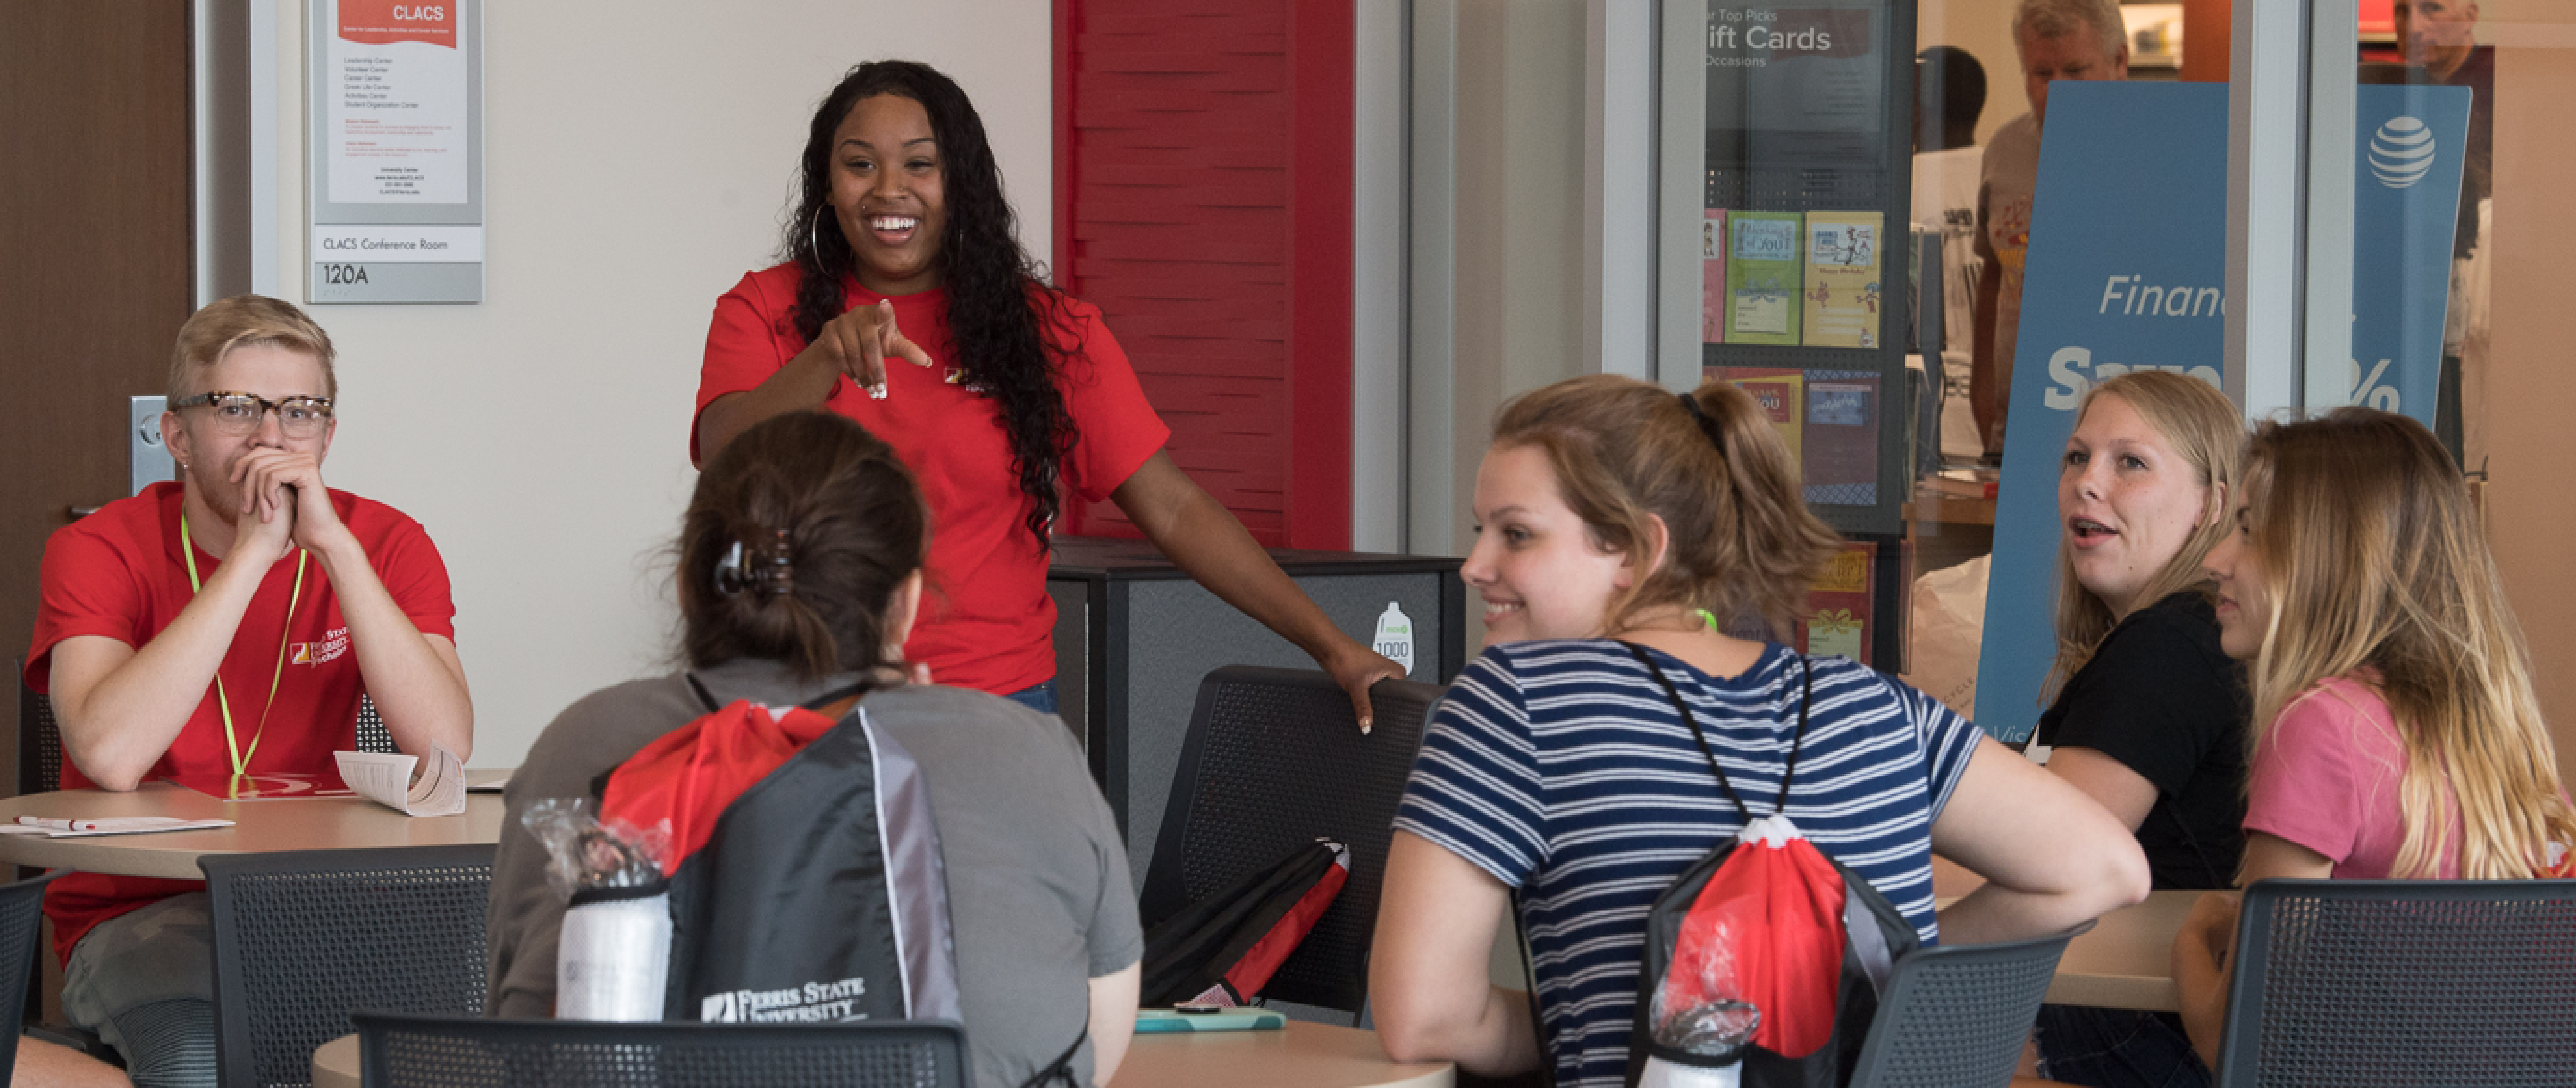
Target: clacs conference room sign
(395, 151)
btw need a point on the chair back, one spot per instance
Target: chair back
(397, 1051)
(303, 938)
(371, 728)
(1957, 1014)
(1275, 760)
(21, 932)
(2415, 982)
(40, 740)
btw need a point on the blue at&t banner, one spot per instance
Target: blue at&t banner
(2405, 211)
(2128, 270)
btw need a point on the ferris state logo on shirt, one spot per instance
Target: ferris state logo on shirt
(335, 642)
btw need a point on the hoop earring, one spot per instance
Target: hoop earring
(814, 234)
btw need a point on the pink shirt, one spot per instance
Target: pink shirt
(2326, 777)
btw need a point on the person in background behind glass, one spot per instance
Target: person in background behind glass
(2056, 39)
(2440, 36)
(1949, 95)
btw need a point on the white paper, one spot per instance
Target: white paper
(387, 780)
(112, 825)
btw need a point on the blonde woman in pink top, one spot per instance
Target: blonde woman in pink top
(2395, 732)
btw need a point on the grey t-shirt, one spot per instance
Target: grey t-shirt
(1038, 890)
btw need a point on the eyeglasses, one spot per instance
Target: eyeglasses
(240, 413)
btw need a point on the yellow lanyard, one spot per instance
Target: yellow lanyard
(241, 759)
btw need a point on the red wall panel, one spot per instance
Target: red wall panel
(1203, 202)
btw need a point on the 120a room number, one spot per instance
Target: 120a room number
(344, 273)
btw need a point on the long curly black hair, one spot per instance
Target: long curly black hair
(997, 296)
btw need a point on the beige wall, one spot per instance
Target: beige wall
(636, 165)
(2531, 504)
(1519, 216)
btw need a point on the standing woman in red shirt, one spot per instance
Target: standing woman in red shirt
(907, 304)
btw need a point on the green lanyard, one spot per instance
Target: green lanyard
(241, 759)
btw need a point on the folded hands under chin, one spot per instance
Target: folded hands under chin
(283, 504)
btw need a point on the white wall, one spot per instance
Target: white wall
(637, 163)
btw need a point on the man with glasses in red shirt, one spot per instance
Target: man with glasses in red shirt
(219, 630)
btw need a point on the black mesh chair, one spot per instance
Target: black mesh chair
(1275, 760)
(40, 740)
(2423, 983)
(371, 728)
(1957, 1014)
(21, 932)
(304, 938)
(465, 1052)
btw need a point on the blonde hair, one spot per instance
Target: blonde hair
(2374, 563)
(2204, 428)
(1739, 537)
(245, 321)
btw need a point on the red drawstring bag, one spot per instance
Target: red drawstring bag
(1766, 955)
(1765, 928)
(690, 775)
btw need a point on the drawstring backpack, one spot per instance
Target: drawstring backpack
(806, 878)
(1766, 958)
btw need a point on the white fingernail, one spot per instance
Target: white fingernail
(877, 391)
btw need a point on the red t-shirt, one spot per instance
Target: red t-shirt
(118, 573)
(987, 622)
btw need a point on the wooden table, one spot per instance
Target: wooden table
(321, 823)
(2127, 961)
(1302, 1056)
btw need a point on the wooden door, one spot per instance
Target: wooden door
(94, 261)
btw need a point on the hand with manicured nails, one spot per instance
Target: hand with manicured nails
(1357, 668)
(858, 343)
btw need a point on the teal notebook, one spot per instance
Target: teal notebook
(1164, 1021)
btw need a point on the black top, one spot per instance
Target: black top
(2164, 700)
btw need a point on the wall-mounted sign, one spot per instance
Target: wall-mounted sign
(395, 144)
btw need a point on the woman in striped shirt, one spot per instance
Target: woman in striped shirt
(1616, 515)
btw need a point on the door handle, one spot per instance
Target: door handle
(83, 511)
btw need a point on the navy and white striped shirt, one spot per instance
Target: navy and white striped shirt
(1561, 768)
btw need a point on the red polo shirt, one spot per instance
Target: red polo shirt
(987, 622)
(119, 573)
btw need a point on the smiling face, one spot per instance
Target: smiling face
(268, 371)
(1535, 563)
(886, 193)
(2244, 601)
(2077, 56)
(2127, 501)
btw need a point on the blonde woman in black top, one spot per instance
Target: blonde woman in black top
(2148, 716)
